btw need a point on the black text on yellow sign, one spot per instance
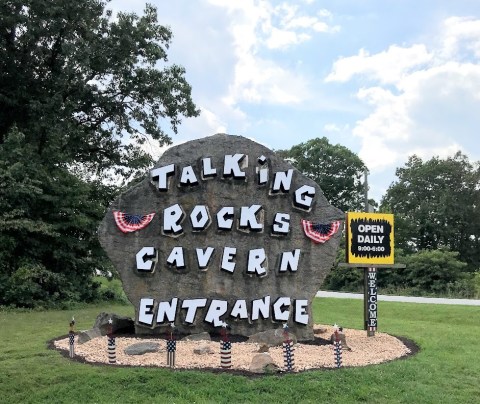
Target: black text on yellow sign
(370, 238)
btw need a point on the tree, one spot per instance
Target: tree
(335, 168)
(436, 205)
(84, 88)
(79, 94)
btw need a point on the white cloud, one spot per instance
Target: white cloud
(387, 67)
(259, 24)
(420, 102)
(461, 34)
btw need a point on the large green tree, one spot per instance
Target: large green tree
(80, 92)
(436, 205)
(335, 168)
(84, 87)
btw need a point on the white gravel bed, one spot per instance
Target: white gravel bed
(364, 351)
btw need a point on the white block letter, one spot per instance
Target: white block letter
(304, 197)
(167, 309)
(145, 311)
(301, 315)
(231, 166)
(203, 257)
(256, 259)
(278, 313)
(176, 258)
(146, 259)
(248, 219)
(261, 306)
(161, 175)
(172, 217)
(217, 309)
(192, 305)
(282, 181)
(227, 260)
(289, 260)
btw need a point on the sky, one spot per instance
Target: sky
(386, 79)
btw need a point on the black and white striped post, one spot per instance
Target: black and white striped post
(71, 338)
(111, 348)
(171, 347)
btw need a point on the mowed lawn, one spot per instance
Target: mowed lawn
(446, 370)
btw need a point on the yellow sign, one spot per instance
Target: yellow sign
(369, 238)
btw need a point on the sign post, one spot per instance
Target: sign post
(370, 245)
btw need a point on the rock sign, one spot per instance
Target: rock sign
(225, 243)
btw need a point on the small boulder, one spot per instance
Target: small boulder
(343, 340)
(318, 329)
(120, 324)
(263, 363)
(87, 335)
(202, 336)
(271, 337)
(142, 348)
(203, 350)
(263, 348)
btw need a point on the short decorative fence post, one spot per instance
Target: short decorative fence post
(171, 346)
(225, 349)
(71, 338)
(288, 350)
(112, 355)
(337, 348)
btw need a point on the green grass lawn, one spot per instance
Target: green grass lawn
(446, 370)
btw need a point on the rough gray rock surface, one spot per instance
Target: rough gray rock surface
(87, 335)
(342, 338)
(142, 348)
(166, 282)
(120, 324)
(263, 363)
(271, 337)
(202, 336)
(203, 350)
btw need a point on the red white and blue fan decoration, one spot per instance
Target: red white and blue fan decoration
(128, 223)
(318, 232)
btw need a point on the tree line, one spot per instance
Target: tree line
(436, 205)
(82, 91)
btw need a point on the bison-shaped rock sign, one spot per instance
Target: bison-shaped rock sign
(222, 230)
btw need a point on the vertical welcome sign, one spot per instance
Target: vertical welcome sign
(370, 241)
(222, 229)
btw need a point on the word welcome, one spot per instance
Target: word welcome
(164, 312)
(372, 299)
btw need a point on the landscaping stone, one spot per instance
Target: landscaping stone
(120, 324)
(87, 335)
(142, 348)
(203, 350)
(202, 336)
(263, 363)
(271, 337)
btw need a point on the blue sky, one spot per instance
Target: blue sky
(385, 78)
